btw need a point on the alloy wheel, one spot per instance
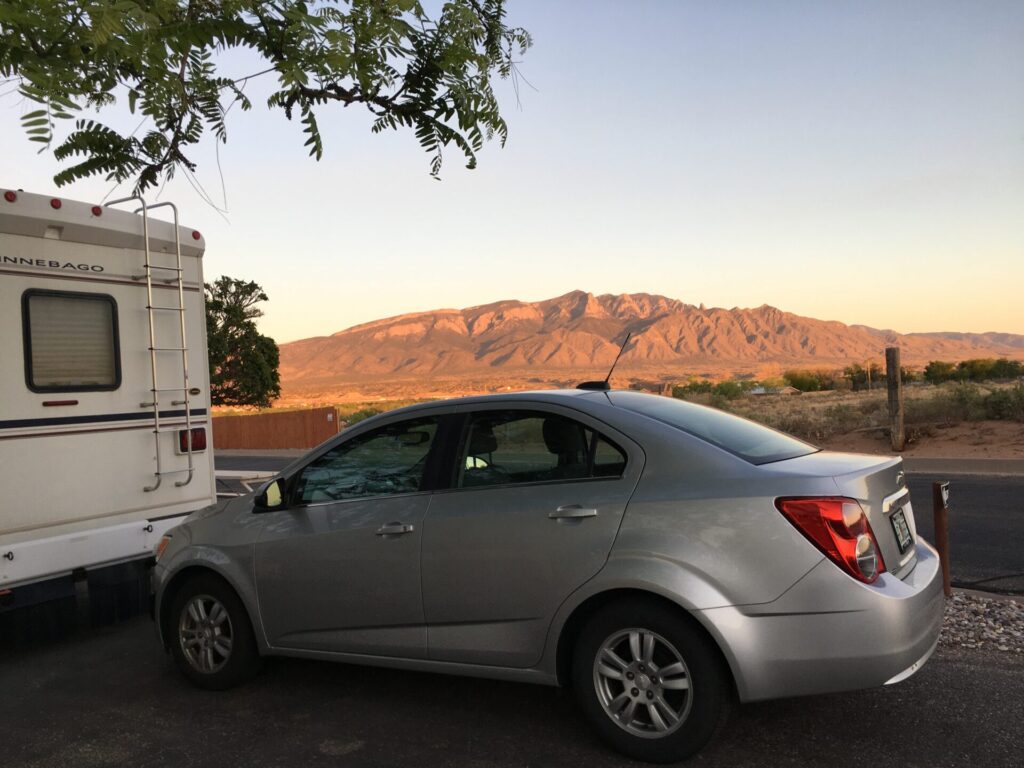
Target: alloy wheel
(642, 683)
(205, 634)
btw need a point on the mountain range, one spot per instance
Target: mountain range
(580, 333)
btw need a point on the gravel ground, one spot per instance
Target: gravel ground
(983, 623)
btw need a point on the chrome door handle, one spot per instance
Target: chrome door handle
(394, 529)
(572, 511)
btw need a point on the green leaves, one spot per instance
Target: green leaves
(409, 70)
(243, 362)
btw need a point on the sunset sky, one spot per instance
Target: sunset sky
(853, 161)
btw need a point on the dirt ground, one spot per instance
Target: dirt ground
(967, 440)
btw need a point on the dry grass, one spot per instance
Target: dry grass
(822, 415)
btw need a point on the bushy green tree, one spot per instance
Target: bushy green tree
(692, 387)
(728, 390)
(979, 369)
(1007, 369)
(243, 362)
(938, 371)
(871, 377)
(910, 375)
(428, 72)
(810, 381)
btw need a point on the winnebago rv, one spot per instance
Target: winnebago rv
(105, 436)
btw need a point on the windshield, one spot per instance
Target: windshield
(750, 441)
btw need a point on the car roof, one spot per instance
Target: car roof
(536, 395)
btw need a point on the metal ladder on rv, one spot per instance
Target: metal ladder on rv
(152, 310)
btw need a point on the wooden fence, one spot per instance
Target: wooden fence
(287, 429)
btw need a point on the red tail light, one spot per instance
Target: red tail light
(840, 529)
(198, 439)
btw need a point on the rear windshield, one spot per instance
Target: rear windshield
(750, 441)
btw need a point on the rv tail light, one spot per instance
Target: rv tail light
(97, 210)
(10, 196)
(195, 235)
(55, 203)
(198, 439)
(840, 529)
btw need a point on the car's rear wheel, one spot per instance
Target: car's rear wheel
(651, 683)
(211, 637)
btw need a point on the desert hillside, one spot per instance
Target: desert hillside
(577, 334)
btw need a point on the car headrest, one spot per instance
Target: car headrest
(563, 437)
(482, 440)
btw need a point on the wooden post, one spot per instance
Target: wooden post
(940, 497)
(894, 383)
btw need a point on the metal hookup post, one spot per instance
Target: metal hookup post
(940, 505)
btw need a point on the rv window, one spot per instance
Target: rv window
(71, 341)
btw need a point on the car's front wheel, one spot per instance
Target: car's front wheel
(210, 635)
(651, 683)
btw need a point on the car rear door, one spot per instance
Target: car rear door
(538, 494)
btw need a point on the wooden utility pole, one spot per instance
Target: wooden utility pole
(894, 383)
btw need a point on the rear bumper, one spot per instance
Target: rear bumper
(831, 633)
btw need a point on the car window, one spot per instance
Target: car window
(508, 447)
(748, 440)
(388, 460)
(609, 459)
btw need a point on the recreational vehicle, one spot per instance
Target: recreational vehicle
(105, 438)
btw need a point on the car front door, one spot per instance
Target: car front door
(537, 497)
(339, 569)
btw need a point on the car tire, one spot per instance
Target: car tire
(653, 664)
(210, 635)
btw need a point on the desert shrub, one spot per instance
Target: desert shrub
(968, 401)
(365, 413)
(690, 388)
(798, 424)
(1006, 404)
(805, 381)
(842, 418)
(728, 390)
(871, 405)
(938, 409)
(953, 403)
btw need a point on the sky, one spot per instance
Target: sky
(853, 161)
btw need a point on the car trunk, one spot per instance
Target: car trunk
(878, 483)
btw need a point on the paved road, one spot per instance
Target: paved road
(986, 523)
(986, 528)
(112, 698)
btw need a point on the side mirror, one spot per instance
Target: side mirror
(271, 497)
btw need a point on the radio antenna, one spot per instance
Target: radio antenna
(604, 386)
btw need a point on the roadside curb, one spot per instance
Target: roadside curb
(950, 466)
(988, 595)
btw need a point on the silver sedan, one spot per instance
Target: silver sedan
(661, 558)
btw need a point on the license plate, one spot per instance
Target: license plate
(902, 530)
